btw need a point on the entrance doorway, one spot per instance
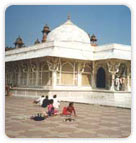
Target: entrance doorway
(100, 79)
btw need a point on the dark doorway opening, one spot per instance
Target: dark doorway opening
(100, 79)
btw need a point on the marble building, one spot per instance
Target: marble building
(68, 62)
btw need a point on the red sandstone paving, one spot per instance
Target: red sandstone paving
(92, 121)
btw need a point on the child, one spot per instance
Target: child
(69, 110)
(51, 109)
(56, 103)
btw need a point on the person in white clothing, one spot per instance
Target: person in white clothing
(39, 101)
(56, 103)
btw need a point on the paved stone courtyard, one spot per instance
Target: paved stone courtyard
(92, 121)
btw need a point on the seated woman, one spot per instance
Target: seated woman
(51, 109)
(69, 110)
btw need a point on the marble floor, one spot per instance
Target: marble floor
(92, 121)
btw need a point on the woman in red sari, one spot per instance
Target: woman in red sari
(69, 110)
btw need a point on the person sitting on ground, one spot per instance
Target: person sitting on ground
(51, 109)
(69, 110)
(39, 101)
(45, 102)
(56, 103)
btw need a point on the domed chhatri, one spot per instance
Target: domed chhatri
(45, 32)
(93, 40)
(68, 32)
(46, 29)
(19, 42)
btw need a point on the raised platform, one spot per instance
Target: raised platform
(97, 96)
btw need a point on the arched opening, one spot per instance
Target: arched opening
(67, 74)
(101, 78)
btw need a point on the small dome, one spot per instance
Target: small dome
(68, 32)
(93, 38)
(46, 29)
(19, 41)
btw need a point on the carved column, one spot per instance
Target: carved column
(79, 81)
(19, 74)
(37, 73)
(34, 71)
(113, 68)
(93, 75)
(53, 64)
(81, 67)
(28, 73)
(16, 71)
(7, 73)
(24, 68)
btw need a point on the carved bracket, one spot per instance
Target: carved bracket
(24, 68)
(82, 67)
(53, 63)
(113, 67)
(91, 66)
(33, 67)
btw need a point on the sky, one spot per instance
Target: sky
(110, 23)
